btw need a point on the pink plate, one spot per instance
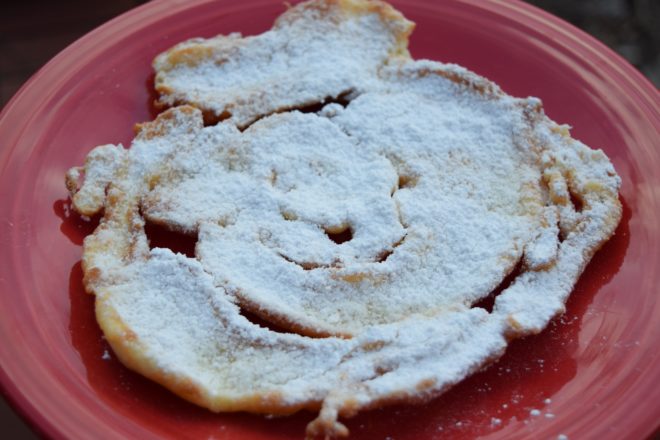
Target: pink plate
(594, 373)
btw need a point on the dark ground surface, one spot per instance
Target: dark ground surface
(33, 31)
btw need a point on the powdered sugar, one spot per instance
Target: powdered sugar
(440, 183)
(310, 54)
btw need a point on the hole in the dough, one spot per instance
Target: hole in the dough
(211, 118)
(304, 265)
(161, 237)
(382, 370)
(406, 181)
(261, 322)
(257, 316)
(339, 235)
(341, 99)
(489, 301)
(313, 107)
(562, 234)
(576, 201)
(383, 256)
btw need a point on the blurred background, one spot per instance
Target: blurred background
(630, 27)
(33, 31)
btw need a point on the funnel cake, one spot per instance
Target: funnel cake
(367, 227)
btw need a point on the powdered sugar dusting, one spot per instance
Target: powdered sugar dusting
(312, 53)
(437, 182)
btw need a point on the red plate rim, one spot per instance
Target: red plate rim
(42, 85)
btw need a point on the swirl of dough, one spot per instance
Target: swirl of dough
(368, 231)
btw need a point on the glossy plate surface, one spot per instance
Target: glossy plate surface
(594, 373)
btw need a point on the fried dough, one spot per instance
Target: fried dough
(315, 51)
(367, 230)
